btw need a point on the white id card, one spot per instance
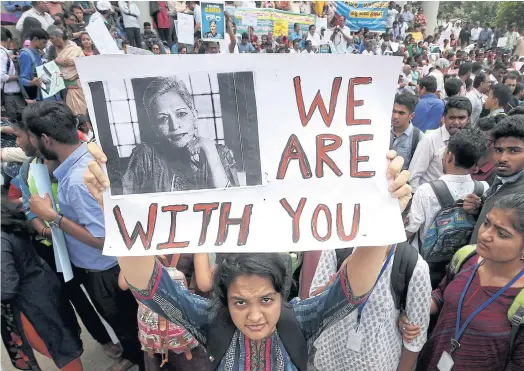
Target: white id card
(445, 362)
(354, 341)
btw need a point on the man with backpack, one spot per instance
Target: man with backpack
(368, 338)
(28, 60)
(437, 220)
(404, 136)
(11, 98)
(426, 164)
(508, 140)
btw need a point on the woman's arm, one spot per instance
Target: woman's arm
(324, 274)
(203, 272)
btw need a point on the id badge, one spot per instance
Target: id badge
(354, 341)
(445, 362)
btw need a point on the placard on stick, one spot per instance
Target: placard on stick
(231, 158)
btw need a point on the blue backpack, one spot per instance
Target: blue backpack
(450, 230)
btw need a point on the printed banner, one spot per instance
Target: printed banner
(213, 22)
(206, 159)
(52, 81)
(267, 20)
(360, 14)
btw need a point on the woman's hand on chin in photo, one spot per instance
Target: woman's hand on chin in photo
(94, 177)
(398, 186)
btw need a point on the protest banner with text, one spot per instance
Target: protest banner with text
(360, 14)
(210, 160)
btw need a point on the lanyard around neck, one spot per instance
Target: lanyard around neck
(459, 331)
(361, 307)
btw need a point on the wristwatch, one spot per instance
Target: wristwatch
(55, 223)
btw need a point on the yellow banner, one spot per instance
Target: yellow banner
(280, 28)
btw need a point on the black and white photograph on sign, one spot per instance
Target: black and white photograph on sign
(179, 133)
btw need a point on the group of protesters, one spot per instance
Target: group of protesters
(449, 298)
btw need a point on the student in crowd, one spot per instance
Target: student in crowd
(87, 45)
(462, 153)
(508, 141)
(33, 294)
(28, 60)
(12, 98)
(498, 71)
(382, 346)
(510, 80)
(245, 46)
(131, 17)
(149, 37)
(498, 97)
(429, 109)
(485, 169)
(404, 137)
(441, 68)
(481, 86)
(42, 242)
(52, 129)
(309, 48)
(250, 289)
(426, 164)
(453, 87)
(40, 12)
(470, 334)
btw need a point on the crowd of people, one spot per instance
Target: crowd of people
(449, 298)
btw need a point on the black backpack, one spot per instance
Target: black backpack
(404, 263)
(223, 329)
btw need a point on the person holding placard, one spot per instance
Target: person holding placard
(251, 324)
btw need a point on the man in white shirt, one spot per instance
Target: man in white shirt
(461, 155)
(131, 18)
(39, 11)
(456, 30)
(369, 49)
(104, 11)
(512, 36)
(341, 35)
(13, 102)
(197, 14)
(426, 164)
(475, 33)
(313, 36)
(229, 44)
(392, 15)
(441, 68)
(481, 86)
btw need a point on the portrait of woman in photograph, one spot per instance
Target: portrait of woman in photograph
(172, 155)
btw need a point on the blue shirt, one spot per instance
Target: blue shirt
(428, 112)
(245, 48)
(485, 35)
(77, 204)
(10, 6)
(28, 70)
(403, 144)
(294, 35)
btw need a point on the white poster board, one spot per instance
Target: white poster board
(52, 81)
(394, 46)
(502, 41)
(128, 49)
(185, 28)
(300, 164)
(249, 19)
(101, 37)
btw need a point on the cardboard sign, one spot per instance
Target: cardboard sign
(213, 21)
(52, 81)
(128, 49)
(185, 28)
(502, 42)
(217, 162)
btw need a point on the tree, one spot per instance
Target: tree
(511, 12)
(473, 11)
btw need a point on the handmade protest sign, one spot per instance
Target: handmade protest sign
(52, 81)
(185, 28)
(101, 37)
(213, 22)
(222, 157)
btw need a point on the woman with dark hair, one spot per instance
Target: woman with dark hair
(176, 157)
(250, 326)
(28, 25)
(477, 300)
(32, 299)
(87, 45)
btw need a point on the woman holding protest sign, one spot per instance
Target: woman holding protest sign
(176, 157)
(250, 325)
